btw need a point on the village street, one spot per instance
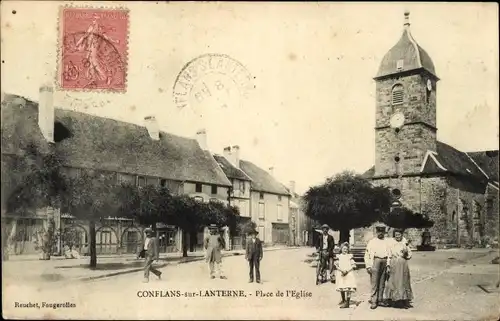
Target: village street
(447, 285)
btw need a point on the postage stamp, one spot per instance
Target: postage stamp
(212, 80)
(93, 49)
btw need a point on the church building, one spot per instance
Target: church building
(457, 190)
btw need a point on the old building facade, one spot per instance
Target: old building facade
(142, 155)
(259, 195)
(457, 190)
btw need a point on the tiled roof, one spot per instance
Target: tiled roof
(454, 161)
(107, 144)
(262, 181)
(488, 161)
(413, 56)
(230, 170)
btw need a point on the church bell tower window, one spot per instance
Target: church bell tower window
(397, 95)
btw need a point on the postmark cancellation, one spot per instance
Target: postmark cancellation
(212, 80)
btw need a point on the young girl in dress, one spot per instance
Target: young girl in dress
(346, 281)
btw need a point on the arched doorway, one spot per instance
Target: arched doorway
(131, 240)
(76, 237)
(106, 240)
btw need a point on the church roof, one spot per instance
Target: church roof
(407, 50)
(105, 144)
(447, 159)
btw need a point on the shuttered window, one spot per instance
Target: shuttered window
(397, 95)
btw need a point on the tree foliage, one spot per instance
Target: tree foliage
(346, 201)
(36, 181)
(402, 217)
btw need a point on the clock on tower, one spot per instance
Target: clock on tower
(405, 108)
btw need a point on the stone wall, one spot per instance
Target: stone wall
(411, 142)
(492, 215)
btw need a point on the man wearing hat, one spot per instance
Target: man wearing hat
(377, 261)
(325, 246)
(151, 253)
(214, 243)
(254, 255)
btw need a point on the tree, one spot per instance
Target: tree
(247, 227)
(93, 196)
(402, 217)
(35, 180)
(346, 201)
(149, 204)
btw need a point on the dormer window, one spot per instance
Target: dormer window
(399, 64)
(397, 94)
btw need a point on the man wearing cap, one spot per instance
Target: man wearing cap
(214, 243)
(325, 246)
(377, 261)
(254, 255)
(151, 253)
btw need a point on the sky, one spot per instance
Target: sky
(311, 111)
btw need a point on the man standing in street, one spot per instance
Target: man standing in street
(151, 253)
(325, 247)
(214, 243)
(377, 261)
(254, 255)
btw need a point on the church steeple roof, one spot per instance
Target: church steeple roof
(405, 55)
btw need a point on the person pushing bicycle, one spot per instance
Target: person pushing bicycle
(325, 247)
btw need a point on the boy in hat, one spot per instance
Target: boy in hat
(151, 253)
(325, 246)
(214, 243)
(377, 261)
(254, 255)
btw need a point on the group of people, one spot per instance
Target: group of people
(386, 261)
(213, 244)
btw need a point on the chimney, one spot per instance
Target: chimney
(271, 170)
(292, 187)
(152, 127)
(46, 112)
(227, 153)
(236, 155)
(201, 137)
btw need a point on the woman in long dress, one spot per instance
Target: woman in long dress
(398, 288)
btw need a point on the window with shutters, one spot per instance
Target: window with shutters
(262, 233)
(262, 211)
(397, 95)
(141, 181)
(279, 214)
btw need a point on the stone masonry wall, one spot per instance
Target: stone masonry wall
(414, 139)
(492, 215)
(466, 211)
(415, 106)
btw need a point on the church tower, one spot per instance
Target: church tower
(405, 108)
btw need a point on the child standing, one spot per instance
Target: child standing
(346, 281)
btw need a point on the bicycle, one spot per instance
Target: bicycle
(322, 267)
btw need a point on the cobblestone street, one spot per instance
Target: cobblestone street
(435, 276)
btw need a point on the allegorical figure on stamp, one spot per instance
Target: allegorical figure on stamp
(94, 52)
(92, 42)
(377, 260)
(254, 254)
(214, 243)
(151, 253)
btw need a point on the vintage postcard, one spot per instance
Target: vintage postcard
(250, 160)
